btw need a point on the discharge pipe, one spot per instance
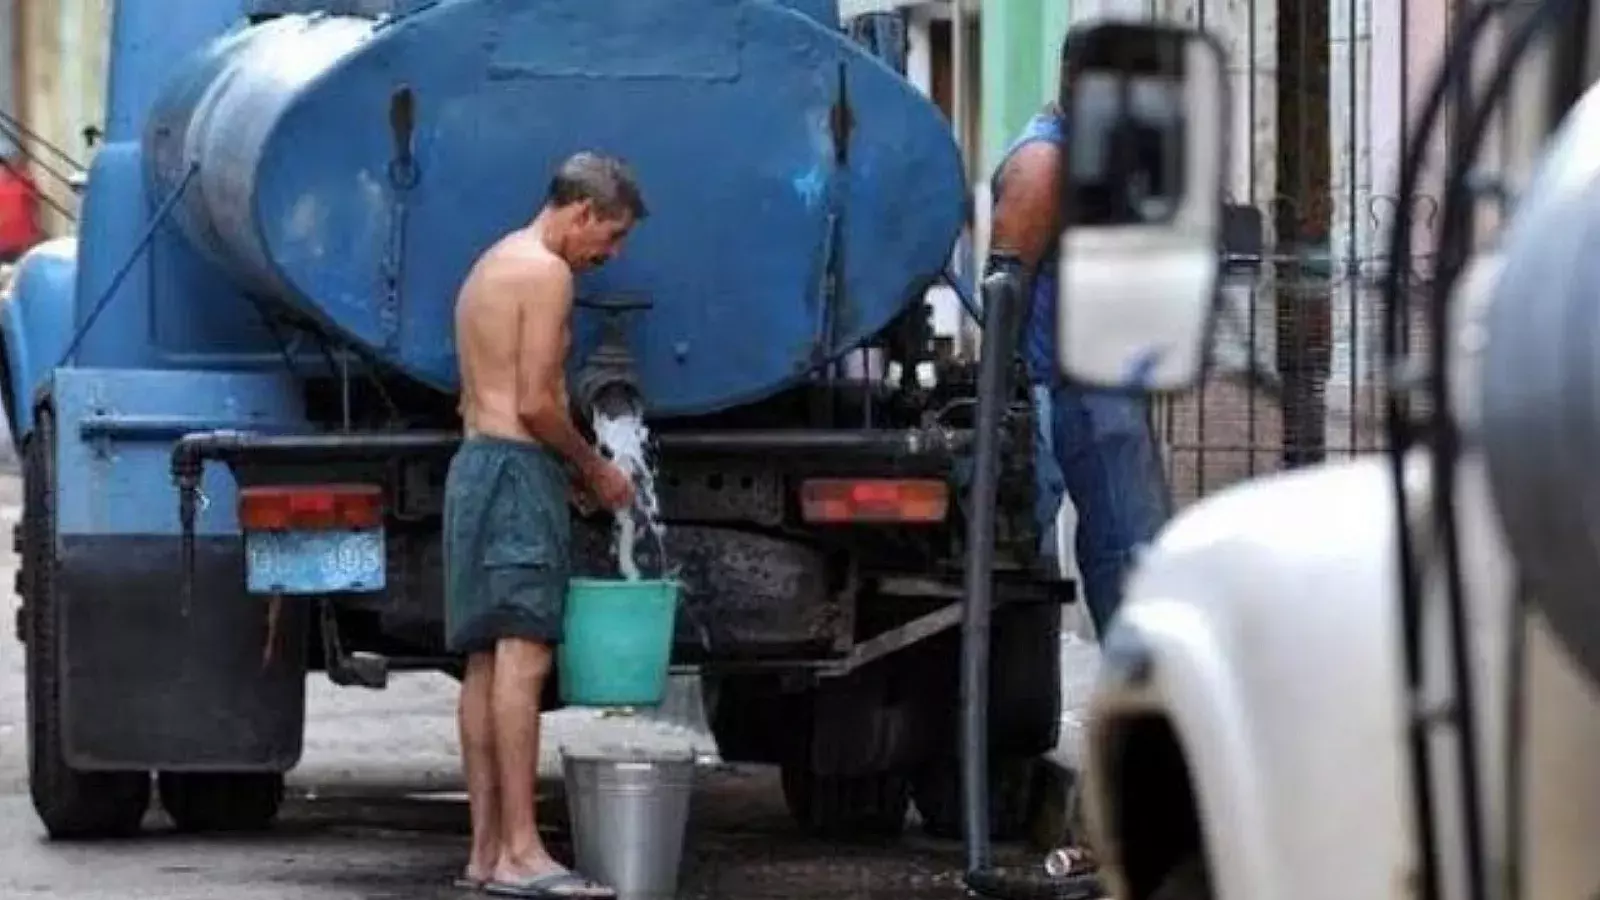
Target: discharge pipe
(1002, 304)
(616, 400)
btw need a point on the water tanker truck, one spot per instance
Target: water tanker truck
(234, 390)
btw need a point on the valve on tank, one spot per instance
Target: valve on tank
(608, 382)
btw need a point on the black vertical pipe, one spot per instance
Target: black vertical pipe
(1000, 298)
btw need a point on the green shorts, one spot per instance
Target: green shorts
(507, 545)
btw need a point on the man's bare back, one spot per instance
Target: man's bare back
(513, 332)
(516, 279)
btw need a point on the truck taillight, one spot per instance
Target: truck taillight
(319, 507)
(888, 500)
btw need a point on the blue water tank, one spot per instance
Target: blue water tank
(770, 148)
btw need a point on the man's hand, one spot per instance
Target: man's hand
(582, 498)
(612, 486)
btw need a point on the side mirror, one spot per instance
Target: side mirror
(1141, 249)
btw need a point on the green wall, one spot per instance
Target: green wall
(1021, 46)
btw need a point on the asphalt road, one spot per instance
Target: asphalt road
(376, 812)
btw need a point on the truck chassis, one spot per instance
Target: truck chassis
(828, 648)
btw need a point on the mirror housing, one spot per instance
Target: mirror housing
(1142, 244)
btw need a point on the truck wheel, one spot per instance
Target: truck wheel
(221, 801)
(1059, 817)
(843, 807)
(1188, 880)
(1013, 797)
(72, 804)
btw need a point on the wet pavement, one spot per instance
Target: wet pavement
(375, 813)
(381, 845)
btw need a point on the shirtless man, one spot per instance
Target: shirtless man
(507, 525)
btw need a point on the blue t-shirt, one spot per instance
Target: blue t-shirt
(1039, 333)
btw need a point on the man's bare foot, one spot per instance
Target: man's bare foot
(544, 879)
(521, 866)
(480, 868)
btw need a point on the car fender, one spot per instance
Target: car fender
(1262, 628)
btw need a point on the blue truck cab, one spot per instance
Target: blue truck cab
(234, 390)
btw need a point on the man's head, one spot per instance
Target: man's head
(592, 203)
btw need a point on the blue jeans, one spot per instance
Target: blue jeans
(1098, 448)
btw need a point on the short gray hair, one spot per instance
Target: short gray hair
(605, 181)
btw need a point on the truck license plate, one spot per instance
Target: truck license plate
(314, 562)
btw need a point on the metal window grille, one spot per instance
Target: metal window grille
(1322, 93)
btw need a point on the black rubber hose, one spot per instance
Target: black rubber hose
(1403, 433)
(1002, 303)
(1445, 440)
(1000, 295)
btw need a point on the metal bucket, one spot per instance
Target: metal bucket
(630, 812)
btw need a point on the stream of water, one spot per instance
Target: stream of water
(625, 438)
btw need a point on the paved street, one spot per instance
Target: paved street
(377, 814)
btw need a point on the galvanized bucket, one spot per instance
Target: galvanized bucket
(630, 812)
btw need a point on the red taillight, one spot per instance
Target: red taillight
(841, 500)
(319, 507)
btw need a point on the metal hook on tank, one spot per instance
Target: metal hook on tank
(403, 176)
(403, 170)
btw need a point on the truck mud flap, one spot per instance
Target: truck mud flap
(148, 686)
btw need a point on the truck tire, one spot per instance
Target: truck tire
(1188, 880)
(1013, 797)
(72, 804)
(841, 778)
(846, 807)
(221, 801)
(1024, 722)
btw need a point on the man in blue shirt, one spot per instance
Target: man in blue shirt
(1096, 447)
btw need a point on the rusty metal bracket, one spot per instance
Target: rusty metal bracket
(862, 654)
(896, 639)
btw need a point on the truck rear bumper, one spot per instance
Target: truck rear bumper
(748, 593)
(149, 684)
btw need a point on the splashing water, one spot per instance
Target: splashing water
(624, 438)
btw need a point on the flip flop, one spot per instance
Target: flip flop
(463, 883)
(556, 883)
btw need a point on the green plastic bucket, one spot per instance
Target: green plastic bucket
(618, 643)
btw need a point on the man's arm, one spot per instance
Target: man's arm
(541, 366)
(1027, 206)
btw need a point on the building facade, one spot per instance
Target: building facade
(57, 59)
